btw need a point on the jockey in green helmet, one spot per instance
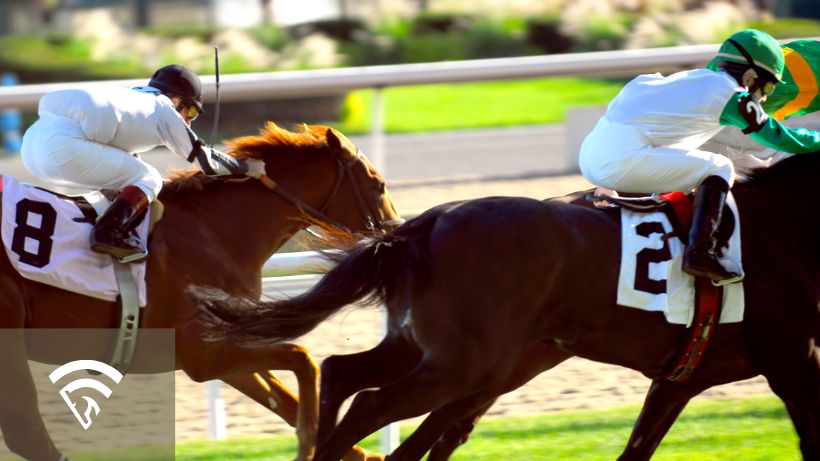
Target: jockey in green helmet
(755, 57)
(650, 138)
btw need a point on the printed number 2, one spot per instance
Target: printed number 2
(42, 234)
(650, 255)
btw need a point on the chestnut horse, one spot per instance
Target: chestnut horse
(215, 231)
(484, 294)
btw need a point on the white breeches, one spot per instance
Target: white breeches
(56, 151)
(618, 157)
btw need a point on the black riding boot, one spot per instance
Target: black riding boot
(700, 258)
(114, 235)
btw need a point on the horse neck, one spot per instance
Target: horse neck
(778, 210)
(245, 221)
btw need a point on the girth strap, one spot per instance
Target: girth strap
(708, 303)
(129, 321)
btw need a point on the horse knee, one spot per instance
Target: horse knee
(303, 364)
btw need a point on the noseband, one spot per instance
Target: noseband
(343, 171)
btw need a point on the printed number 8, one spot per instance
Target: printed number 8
(42, 235)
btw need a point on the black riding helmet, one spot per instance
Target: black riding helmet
(176, 80)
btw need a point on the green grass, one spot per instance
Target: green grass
(476, 105)
(754, 429)
(127, 453)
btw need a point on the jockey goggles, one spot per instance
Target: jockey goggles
(768, 86)
(190, 111)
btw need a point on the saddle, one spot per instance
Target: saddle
(678, 208)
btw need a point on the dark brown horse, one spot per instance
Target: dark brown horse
(216, 232)
(484, 294)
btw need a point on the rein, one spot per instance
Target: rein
(343, 172)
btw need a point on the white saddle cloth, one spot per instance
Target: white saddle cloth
(45, 243)
(651, 277)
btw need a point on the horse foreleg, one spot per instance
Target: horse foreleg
(799, 388)
(664, 402)
(22, 426)
(228, 362)
(268, 391)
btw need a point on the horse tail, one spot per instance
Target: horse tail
(366, 273)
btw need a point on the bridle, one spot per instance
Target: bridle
(343, 171)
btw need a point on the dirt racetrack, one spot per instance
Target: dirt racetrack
(575, 384)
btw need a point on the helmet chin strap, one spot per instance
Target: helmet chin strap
(755, 69)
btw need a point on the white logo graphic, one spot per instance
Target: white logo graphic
(91, 404)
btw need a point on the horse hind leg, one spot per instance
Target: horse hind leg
(268, 391)
(458, 434)
(432, 384)
(441, 421)
(664, 402)
(23, 429)
(344, 375)
(532, 360)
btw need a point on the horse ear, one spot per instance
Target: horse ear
(333, 139)
(338, 141)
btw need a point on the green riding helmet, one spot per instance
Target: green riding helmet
(756, 48)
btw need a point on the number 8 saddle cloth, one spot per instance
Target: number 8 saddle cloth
(46, 238)
(651, 257)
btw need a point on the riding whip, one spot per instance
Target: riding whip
(216, 109)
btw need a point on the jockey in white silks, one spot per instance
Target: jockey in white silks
(648, 141)
(88, 138)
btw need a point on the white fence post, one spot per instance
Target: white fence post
(217, 424)
(377, 153)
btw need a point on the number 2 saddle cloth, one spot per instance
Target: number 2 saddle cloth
(650, 275)
(46, 238)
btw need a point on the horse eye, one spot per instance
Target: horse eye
(382, 188)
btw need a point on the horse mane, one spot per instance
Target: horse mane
(785, 173)
(271, 140)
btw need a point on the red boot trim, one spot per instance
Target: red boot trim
(135, 197)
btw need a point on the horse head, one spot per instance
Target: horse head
(332, 182)
(314, 175)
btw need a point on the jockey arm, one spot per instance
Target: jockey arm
(743, 112)
(214, 162)
(184, 142)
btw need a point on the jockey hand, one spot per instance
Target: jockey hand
(256, 168)
(603, 191)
